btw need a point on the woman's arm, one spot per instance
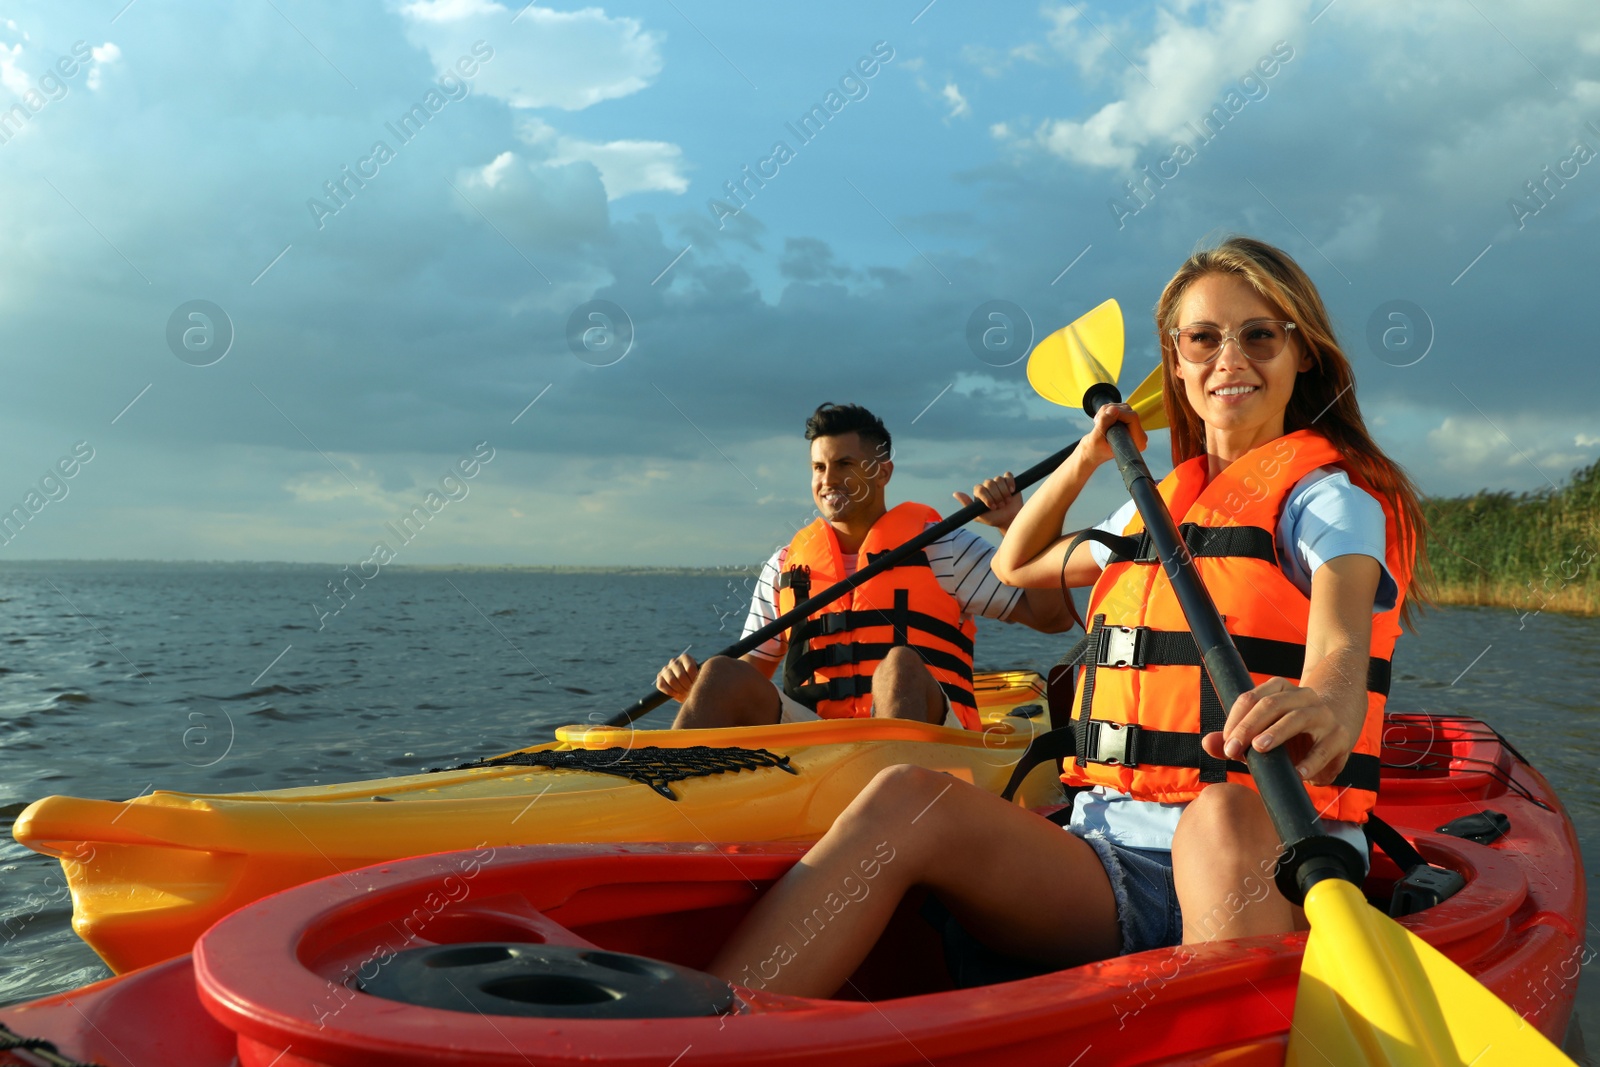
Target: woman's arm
(1322, 715)
(1032, 554)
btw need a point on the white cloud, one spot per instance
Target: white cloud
(1469, 444)
(1181, 73)
(1562, 461)
(563, 59)
(1462, 443)
(1071, 37)
(625, 166)
(103, 55)
(11, 75)
(538, 203)
(959, 107)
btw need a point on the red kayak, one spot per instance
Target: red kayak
(567, 954)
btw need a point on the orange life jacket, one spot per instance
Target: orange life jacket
(1143, 701)
(832, 654)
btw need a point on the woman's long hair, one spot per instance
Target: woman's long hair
(1324, 397)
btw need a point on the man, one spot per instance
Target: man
(899, 645)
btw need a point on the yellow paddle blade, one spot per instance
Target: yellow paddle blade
(1085, 352)
(1146, 402)
(1372, 992)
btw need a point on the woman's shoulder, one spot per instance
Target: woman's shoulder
(1329, 490)
(1327, 515)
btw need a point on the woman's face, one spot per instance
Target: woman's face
(1241, 401)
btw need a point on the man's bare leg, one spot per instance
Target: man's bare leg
(728, 692)
(903, 688)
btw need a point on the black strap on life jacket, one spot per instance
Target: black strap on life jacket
(1058, 744)
(1156, 748)
(916, 559)
(859, 685)
(1204, 542)
(1247, 542)
(1138, 647)
(851, 652)
(1141, 646)
(838, 622)
(801, 662)
(1090, 663)
(1100, 741)
(799, 579)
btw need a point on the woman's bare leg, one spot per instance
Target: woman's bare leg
(1223, 855)
(1017, 882)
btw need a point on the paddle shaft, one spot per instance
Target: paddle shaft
(1311, 855)
(808, 607)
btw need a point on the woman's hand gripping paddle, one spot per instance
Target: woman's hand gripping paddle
(1371, 992)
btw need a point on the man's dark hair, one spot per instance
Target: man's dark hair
(831, 420)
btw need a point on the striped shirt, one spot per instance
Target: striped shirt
(959, 560)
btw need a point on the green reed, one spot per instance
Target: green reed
(1532, 551)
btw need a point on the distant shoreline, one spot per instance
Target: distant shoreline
(1529, 553)
(1571, 600)
(419, 568)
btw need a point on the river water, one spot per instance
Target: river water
(121, 677)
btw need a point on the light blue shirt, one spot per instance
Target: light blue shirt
(1324, 517)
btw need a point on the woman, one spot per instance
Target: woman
(1306, 535)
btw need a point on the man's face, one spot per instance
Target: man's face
(847, 476)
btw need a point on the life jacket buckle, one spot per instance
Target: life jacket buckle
(1111, 742)
(1122, 646)
(845, 652)
(834, 622)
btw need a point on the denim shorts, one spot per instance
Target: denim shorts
(1147, 899)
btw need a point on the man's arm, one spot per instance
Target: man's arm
(1046, 610)
(677, 677)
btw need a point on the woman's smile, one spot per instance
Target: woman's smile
(1240, 400)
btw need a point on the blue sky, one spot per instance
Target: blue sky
(374, 339)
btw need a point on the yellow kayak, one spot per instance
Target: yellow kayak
(149, 875)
